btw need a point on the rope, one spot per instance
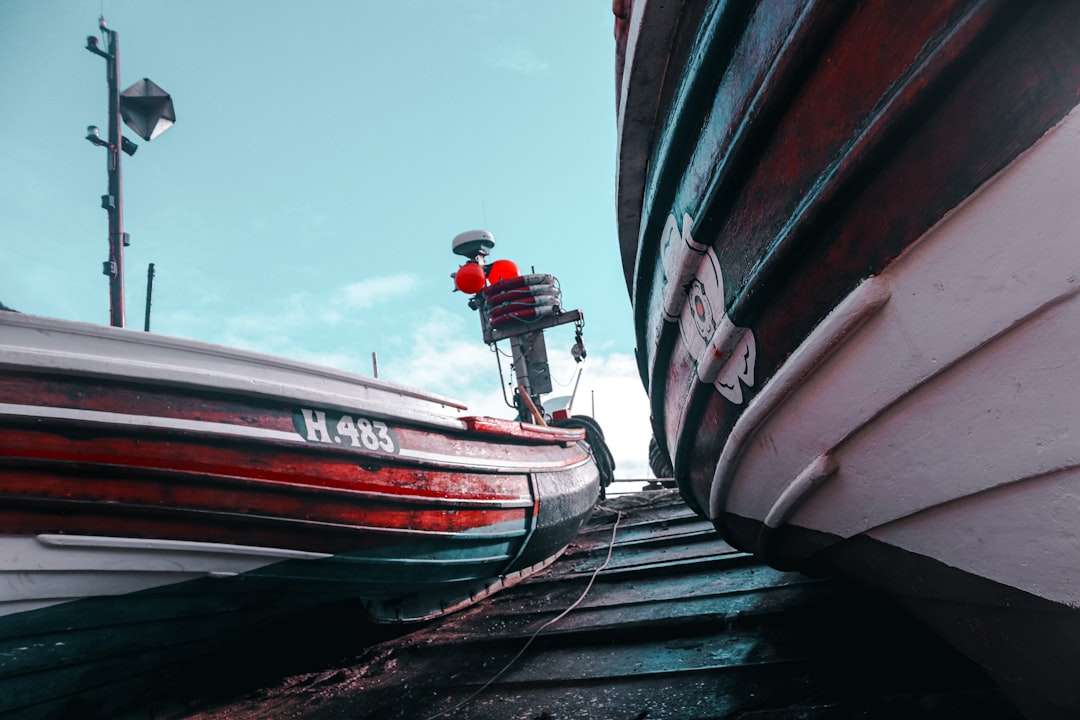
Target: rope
(598, 448)
(549, 623)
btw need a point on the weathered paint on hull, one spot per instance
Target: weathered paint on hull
(849, 237)
(161, 496)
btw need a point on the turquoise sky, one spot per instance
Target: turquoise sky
(324, 156)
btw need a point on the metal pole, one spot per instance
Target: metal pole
(149, 294)
(375, 363)
(570, 405)
(521, 363)
(114, 203)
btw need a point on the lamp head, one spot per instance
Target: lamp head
(92, 136)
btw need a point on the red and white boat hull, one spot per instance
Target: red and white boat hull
(176, 494)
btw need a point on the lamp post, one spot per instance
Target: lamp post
(148, 110)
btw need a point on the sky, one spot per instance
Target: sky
(325, 154)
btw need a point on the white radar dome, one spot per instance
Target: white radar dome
(473, 242)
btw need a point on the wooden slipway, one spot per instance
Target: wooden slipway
(676, 625)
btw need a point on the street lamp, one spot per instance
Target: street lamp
(146, 109)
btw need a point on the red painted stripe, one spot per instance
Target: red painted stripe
(497, 426)
(82, 518)
(202, 493)
(300, 467)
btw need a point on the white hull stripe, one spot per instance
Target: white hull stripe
(160, 544)
(243, 431)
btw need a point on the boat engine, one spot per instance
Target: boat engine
(519, 308)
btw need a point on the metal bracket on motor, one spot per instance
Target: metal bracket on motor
(566, 316)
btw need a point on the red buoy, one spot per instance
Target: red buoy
(501, 270)
(470, 278)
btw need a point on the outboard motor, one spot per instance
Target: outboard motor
(519, 308)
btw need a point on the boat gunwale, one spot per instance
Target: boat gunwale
(287, 379)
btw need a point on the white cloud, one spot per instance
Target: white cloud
(368, 293)
(520, 59)
(610, 390)
(446, 355)
(278, 329)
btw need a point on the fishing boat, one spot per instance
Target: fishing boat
(850, 236)
(161, 495)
